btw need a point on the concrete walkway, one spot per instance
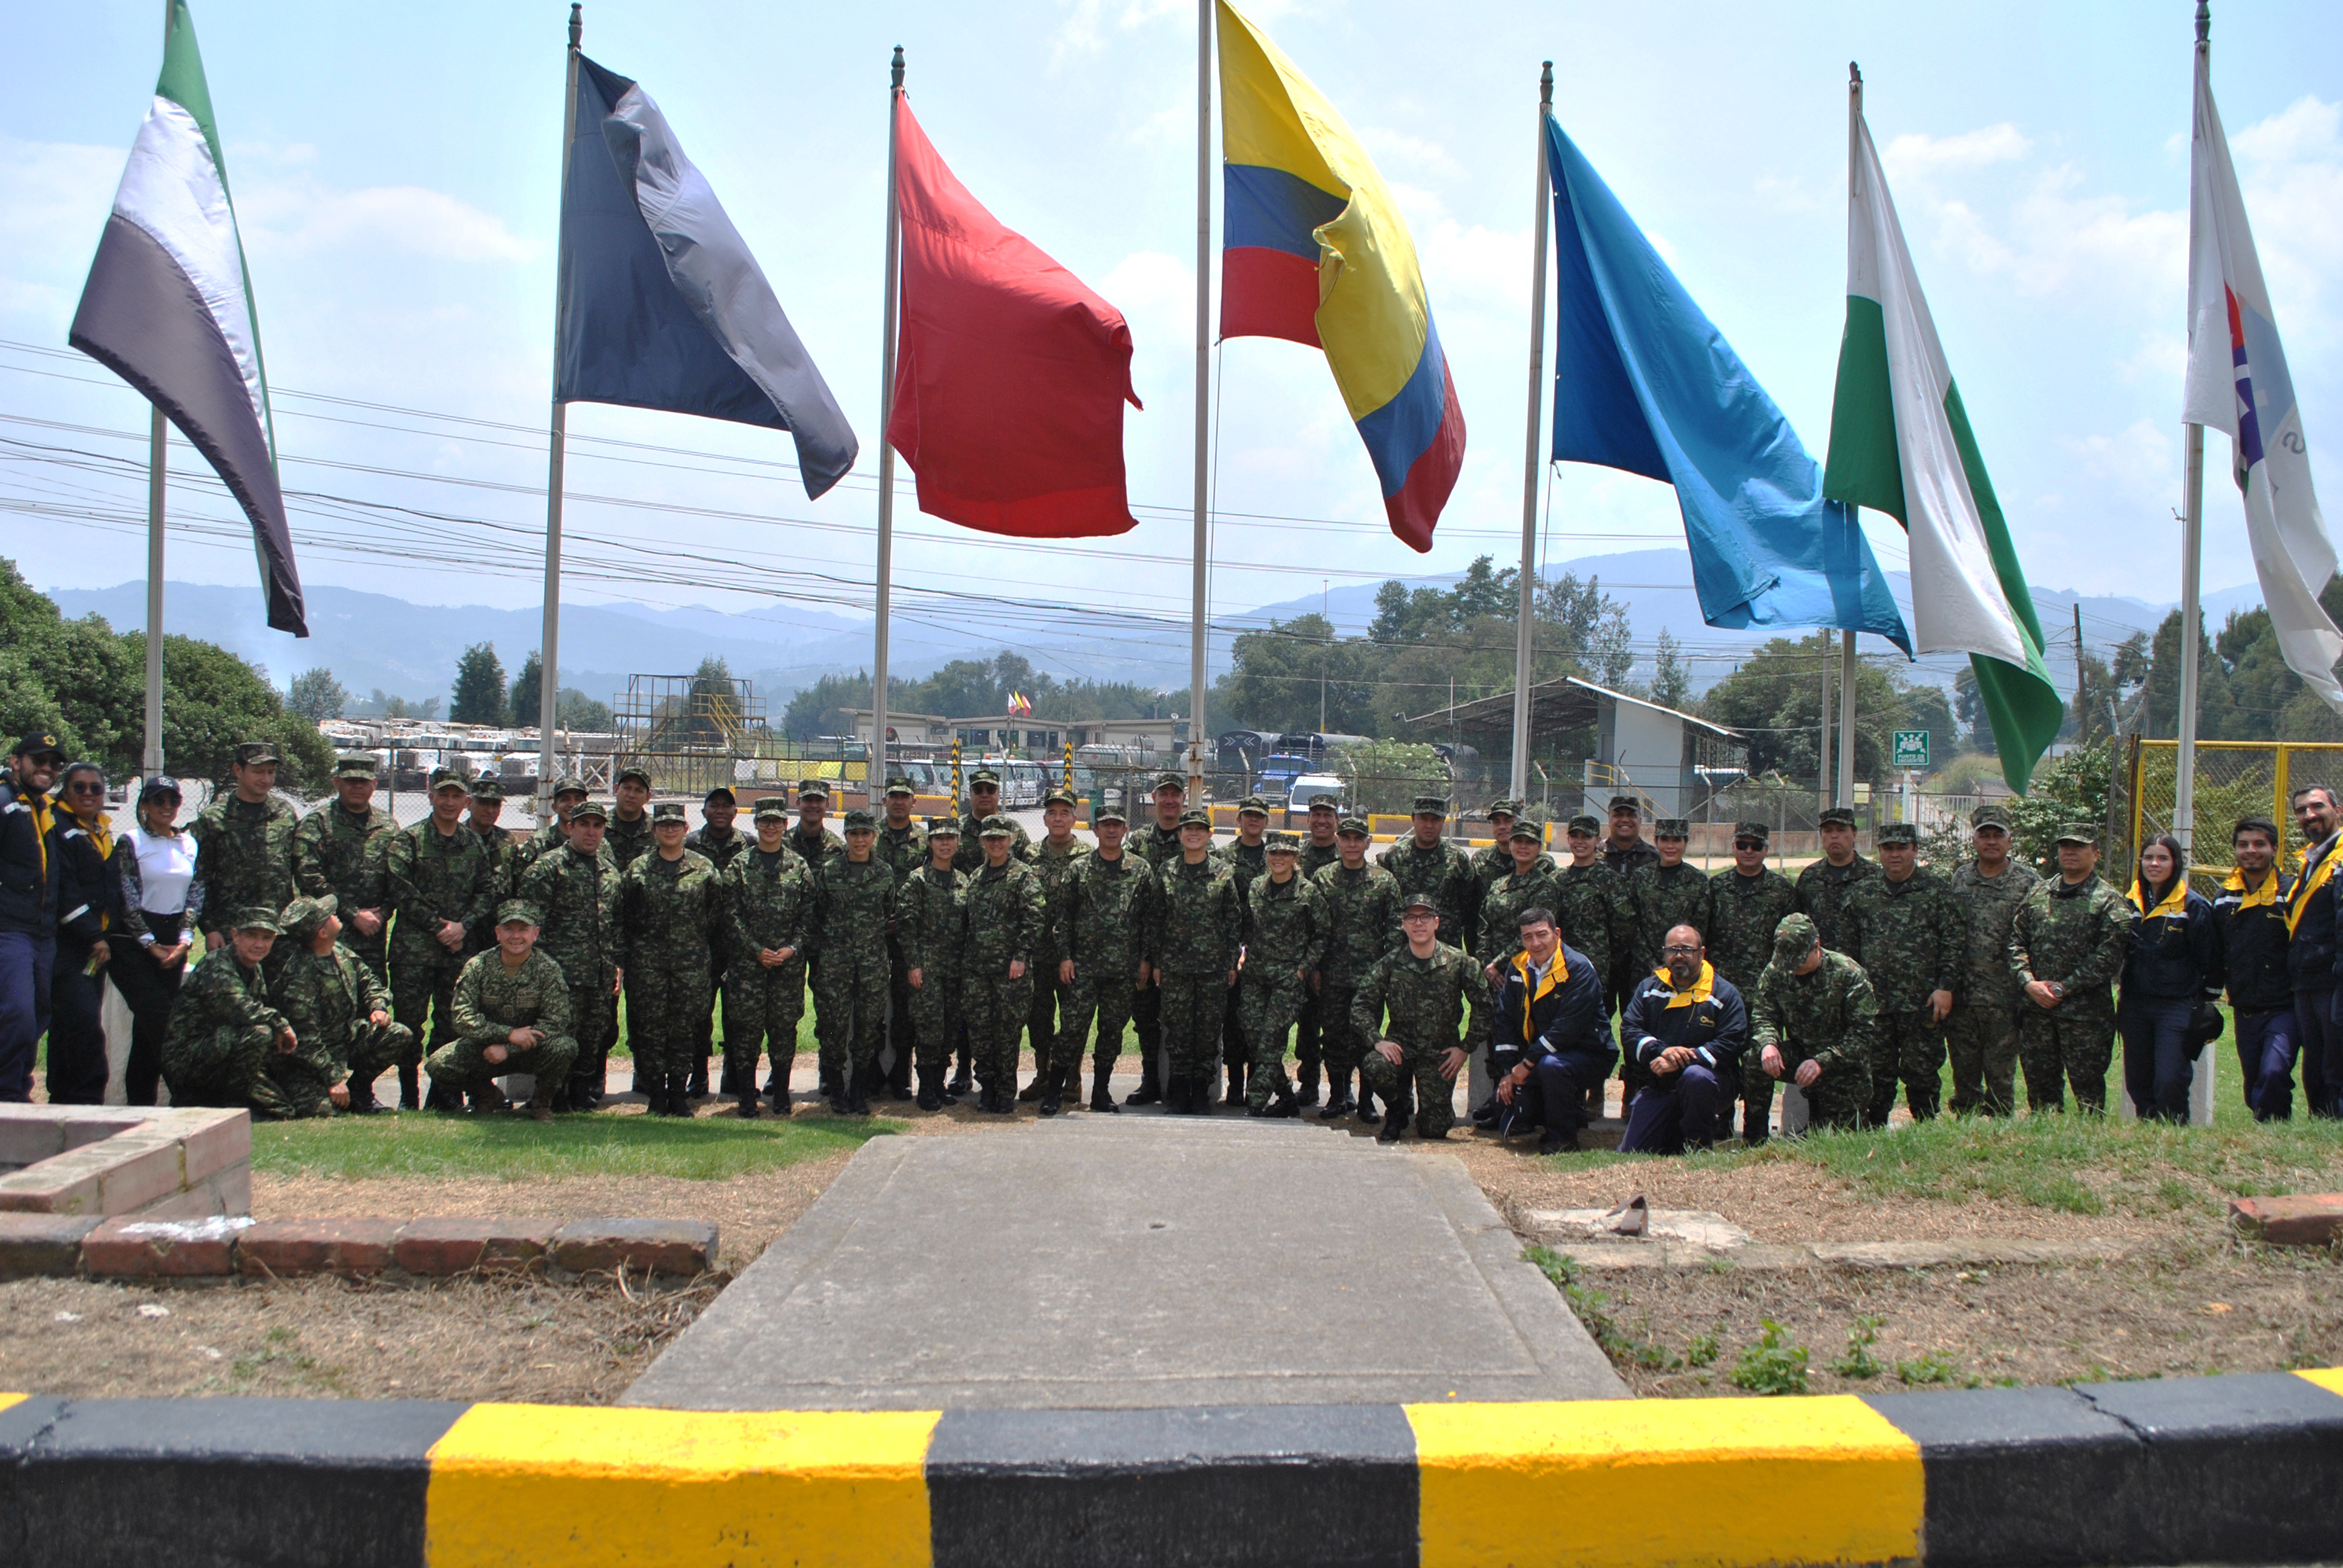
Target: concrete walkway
(1135, 1262)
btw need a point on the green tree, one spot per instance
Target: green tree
(314, 695)
(573, 709)
(1776, 698)
(213, 700)
(1388, 775)
(2072, 788)
(821, 708)
(529, 691)
(1671, 677)
(479, 694)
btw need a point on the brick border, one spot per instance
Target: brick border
(138, 1247)
(2238, 1469)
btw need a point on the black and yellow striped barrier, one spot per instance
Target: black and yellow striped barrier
(2229, 1469)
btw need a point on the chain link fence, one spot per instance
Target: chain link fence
(2233, 778)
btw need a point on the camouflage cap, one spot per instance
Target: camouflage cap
(1990, 815)
(1253, 804)
(1196, 817)
(984, 776)
(860, 820)
(1357, 825)
(357, 765)
(1671, 828)
(1170, 781)
(943, 827)
(899, 785)
(812, 789)
(1415, 901)
(1325, 804)
(1281, 842)
(635, 771)
(1431, 806)
(1625, 803)
(1109, 814)
(1525, 827)
(2079, 833)
(488, 787)
(1896, 833)
(305, 918)
(1794, 939)
(1061, 797)
(569, 784)
(1838, 815)
(668, 811)
(256, 919)
(772, 807)
(997, 826)
(518, 912)
(721, 792)
(589, 810)
(1757, 830)
(247, 752)
(1586, 822)
(448, 778)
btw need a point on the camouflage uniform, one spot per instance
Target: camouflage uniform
(335, 852)
(1104, 907)
(771, 902)
(905, 851)
(1501, 902)
(245, 857)
(1827, 1016)
(1597, 918)
(431, 877)
(1247, 863)
(1912, 939)
(720, 853)
(223, 1031)
(1361, 926)
(931, 928)
(1198, 920)
(1052, 998)
(577, 900)
(628, 842)
(820, 851)
(1823, 891)
(328, 1000)
(1425, 1000)
(1005, 915)
(1444, 872)
(1285, 941)
(491, 1002)
(1982, 1030)
(2075, 937)
(969, 856)
(1744, 913)
(1153, 845)
(850, 983)
(504, 877)
(1307, 1030)
(668, 914)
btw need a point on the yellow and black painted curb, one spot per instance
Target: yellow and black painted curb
(2246, 1468)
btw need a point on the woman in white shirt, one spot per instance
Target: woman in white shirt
(160, 901)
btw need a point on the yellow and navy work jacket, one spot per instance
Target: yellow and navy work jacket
(2254, 940)
(1707, 1015)
(1559, 1014)
(29, 863)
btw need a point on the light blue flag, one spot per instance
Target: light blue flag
(1645, 382)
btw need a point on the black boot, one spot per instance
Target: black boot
(1396, 1114)
(440, 1098)
(1236, 1092)
(410, 1094)
(1367, 1117)
(1339, 1102)
(1047, 1080)
(362, 1102)
(1306, 1090)
(931, 1089)
(749, 1106)
(962, 1084)
(699, 1078)
(777, 1080)
(1101, 1093)
(1151, 1087)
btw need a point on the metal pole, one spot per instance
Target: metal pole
(2192, 523)
(548, 662)
(1823, 747)
(2082, 705)
(1845, 795)
(1202, 543)
(158, 443)
(1524, 619)
(877, 768)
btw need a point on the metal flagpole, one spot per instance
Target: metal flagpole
(1843, 793)
(158, 445)
(548, 662)
(1524, 623)
(2192, 538)
(1202, 543)
(876, 767)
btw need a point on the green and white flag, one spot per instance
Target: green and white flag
(169, 307)
(1901, 444)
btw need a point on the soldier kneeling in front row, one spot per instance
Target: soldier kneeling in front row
(340, 1016)
(225, 1025)
(1814, 1024)
(512, 1015)
(1427, 989)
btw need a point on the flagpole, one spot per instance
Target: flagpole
(875, 771)
(158, 444)
(1843, 794)
(1524, 625)
(2192, 538)
(549, 660)
(1203, 542)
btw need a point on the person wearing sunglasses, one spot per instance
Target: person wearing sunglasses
(162, 900)
(29, 866)
(89, 901)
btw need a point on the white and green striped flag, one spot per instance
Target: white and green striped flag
(169, 307)
(1901, 444)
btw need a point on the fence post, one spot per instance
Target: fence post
(2278, 806)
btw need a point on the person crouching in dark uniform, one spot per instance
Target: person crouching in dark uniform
(1548, 1042)
(1688, 1027)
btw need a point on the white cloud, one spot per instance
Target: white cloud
(303, 218)
(1791, 194)
(1914, 156)
(53, 199)
(2140, 463)
(2304, 129)
(1409, 151)
(1474, 266)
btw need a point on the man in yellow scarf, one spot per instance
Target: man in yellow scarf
(29, 864)
(1688, 1027)
(1548, 1045)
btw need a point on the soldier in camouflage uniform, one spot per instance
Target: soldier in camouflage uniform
(1285, 945)
(575, 889)
(337, 849)
(903, 846)
(821, 850)
(512, 1006)
(1982, 1032)
(1597, 918)
(1666, 894)
(1429, 863)
(504, 856)
(441, 886)
(340, 1016)
(1362, 925)
(1005, 912)
(629, 837)
(1409, 1009)
(1155, 844)
(567, 795)
(671, 907)
(245, 845)
(1495, 863)
(720, 843)
(771, 902)
(1906, 928)
(1811, 1023)
(1055, 1077)
(1529, 882)
(2067, 945)
(1824, 885)
(224, 1025)
(857, 906)
(1105, 904)
(1747, 902)
(931, 932)
(1247, 860)
(1198, 922)
(984, 804)
(1319, 851)
(1625, 849)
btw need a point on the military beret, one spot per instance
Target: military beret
(899, 785)
(1432, 806)
(1325, 804)
(38, 744)
(1254, 804)
(721, 792)
(1990, 816)
(1353, 825)
(447, 779)
(1842, 816)
(1897, 833)
(1586, 822)
(1109, 814)
(488, 787)
(1284, 843)
(1415, 901)
(984, 776)
(589, 810)
(635, 771)
(1757, 830)
(812, 789)
(1505, 808)
(669, 811)
(1059, 797)
(256, 919)
(1671, 828)
(2078, 833)
(943, 827)
(1170, 781)
(997, 826)
(518, 912)
(770, 807)
(359, 766)
(860, 822)
(1196, 817)
(1625, 803)
(569, 784)
(305, 918)
(1525, 828)
(246, 752)
(1794, 939)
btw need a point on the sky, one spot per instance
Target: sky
(395, 174)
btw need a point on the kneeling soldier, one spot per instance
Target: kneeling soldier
(224, 1026)
(1815, 1022)
(1427, 989)
(512, 1015)
(340, 1013)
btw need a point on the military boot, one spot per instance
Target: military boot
(489, 1098)
(1396, 1112)
(1306, 1086)
(1367, 1117)
(777, 1080)
(1235, 1094)
(931, 1089)
(1101, 1093)
(362, 1100)
(540, 1101)
(410, 1096)
(963, 1083)
(449, 1101)
(1041, 1085)
(1151, 1085)
(1339, 1102)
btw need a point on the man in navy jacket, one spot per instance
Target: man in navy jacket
(1687, 1024)
(1548, 1045)
(2311, 956)
(29, 866)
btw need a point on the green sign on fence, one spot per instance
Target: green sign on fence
(1911, 749)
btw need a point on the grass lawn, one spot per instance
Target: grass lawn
(513, 1147)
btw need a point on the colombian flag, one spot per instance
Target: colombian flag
(1315, 252)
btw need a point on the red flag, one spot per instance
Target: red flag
(1010, 373)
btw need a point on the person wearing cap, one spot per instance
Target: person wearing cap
(1361, 926)
(1596, 917)
(1626, 849)
(224, 1025)
(931, 932)
(1812, 1024)
(1320, 849)
(30, 867)
(903, 846)
(1825, 884)
(1248, 860)
(1155, 842)
(1192, 947)
(671, 907)
(820, 848)
(512, 1014)
(339, 1012)
(2312, 951)
(1549, 1043)
(488, 804)
(2251, 914)
(1688, 1024)
(1104, 905)
(1055, 1078)
(1285, 934)
(771, 902)
(1158, 841)
(442, 889)
(568, 793)
(983, 805)
(1426, 862)
(89, 901)
(1747, 902)
(2172, 969)
(629, 837)
(850, 989)
(338, 848)
(1667, 893)
(1529, 882)
(1981, 1031)
(1408, 1008)
(721, 844)
(1006, 911)
(1495, 863)
(1908, 929)
(2067, 944)
(161, 901)
(244, 843)
(574, 888)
